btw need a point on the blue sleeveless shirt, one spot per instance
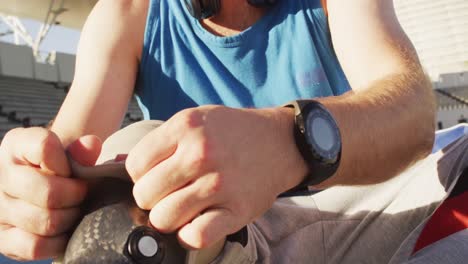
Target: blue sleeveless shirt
(284, 56)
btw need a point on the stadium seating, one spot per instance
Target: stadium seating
(27, 102)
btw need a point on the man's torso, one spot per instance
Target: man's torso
(284, 56)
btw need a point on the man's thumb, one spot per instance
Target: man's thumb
(85, 150)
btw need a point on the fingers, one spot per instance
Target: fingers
(180, 207)
(26, 183)
(15, 242)
(36, 220)
(85, 150)
(208, 228)
(158, 182)
(36, 207)
(42, 148)
(38, 147)
(155, 147)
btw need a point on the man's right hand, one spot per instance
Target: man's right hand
(38, 199)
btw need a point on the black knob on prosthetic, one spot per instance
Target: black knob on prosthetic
(145, 246)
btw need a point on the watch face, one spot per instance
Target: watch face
(322, 135)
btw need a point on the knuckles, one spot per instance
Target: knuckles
(49, 225)
(199, 240)
(189, 118)
(45, 141)
(141, 200)
(47, 198)
(200, 155)
(48, 142)
(33, 252)
(30, 250)
(7, 147)
(3, 209)
(11, 136)
(213, 186)
(134, 166)
(45, 223)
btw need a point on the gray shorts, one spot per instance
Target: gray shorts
(359, 224)
(347, 224)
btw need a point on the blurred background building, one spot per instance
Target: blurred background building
(34, 78)
(439, 31)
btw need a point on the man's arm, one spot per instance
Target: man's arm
(39, 203)
(106, 68)
(200, 171)
(387, 121)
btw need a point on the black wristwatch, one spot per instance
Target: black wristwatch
(318, 139)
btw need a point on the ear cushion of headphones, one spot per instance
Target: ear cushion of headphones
(192, 6)
(260, 3)
(201, 9)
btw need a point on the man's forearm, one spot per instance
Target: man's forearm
(384, 128)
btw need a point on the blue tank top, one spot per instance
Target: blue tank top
(284, 56)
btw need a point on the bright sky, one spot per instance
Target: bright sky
(60, 39)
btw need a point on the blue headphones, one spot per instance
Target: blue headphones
(201, 9)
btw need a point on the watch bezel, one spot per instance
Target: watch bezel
(329, 157)
(319, 169)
